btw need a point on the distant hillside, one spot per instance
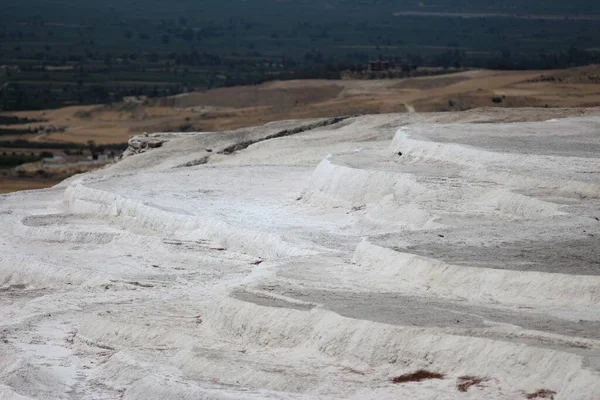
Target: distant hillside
(69, 52)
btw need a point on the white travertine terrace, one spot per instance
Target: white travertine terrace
(314, 259)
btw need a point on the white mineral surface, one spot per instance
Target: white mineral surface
(314, 259)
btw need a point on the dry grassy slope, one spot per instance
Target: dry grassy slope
(230, 108)
(15, 185)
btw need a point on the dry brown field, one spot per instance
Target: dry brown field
(228, 108)
(14, 185)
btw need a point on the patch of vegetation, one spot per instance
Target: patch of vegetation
(417, 376)
(8, 132)
(11, 160)
(14, 120)
(25, 144)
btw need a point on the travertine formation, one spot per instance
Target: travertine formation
(327, 258)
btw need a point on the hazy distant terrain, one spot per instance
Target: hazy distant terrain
(55, 53)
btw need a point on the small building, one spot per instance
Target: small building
(375, 66)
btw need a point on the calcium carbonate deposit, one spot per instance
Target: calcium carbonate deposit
(411, 256)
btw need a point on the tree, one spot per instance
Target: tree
(91, 146)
